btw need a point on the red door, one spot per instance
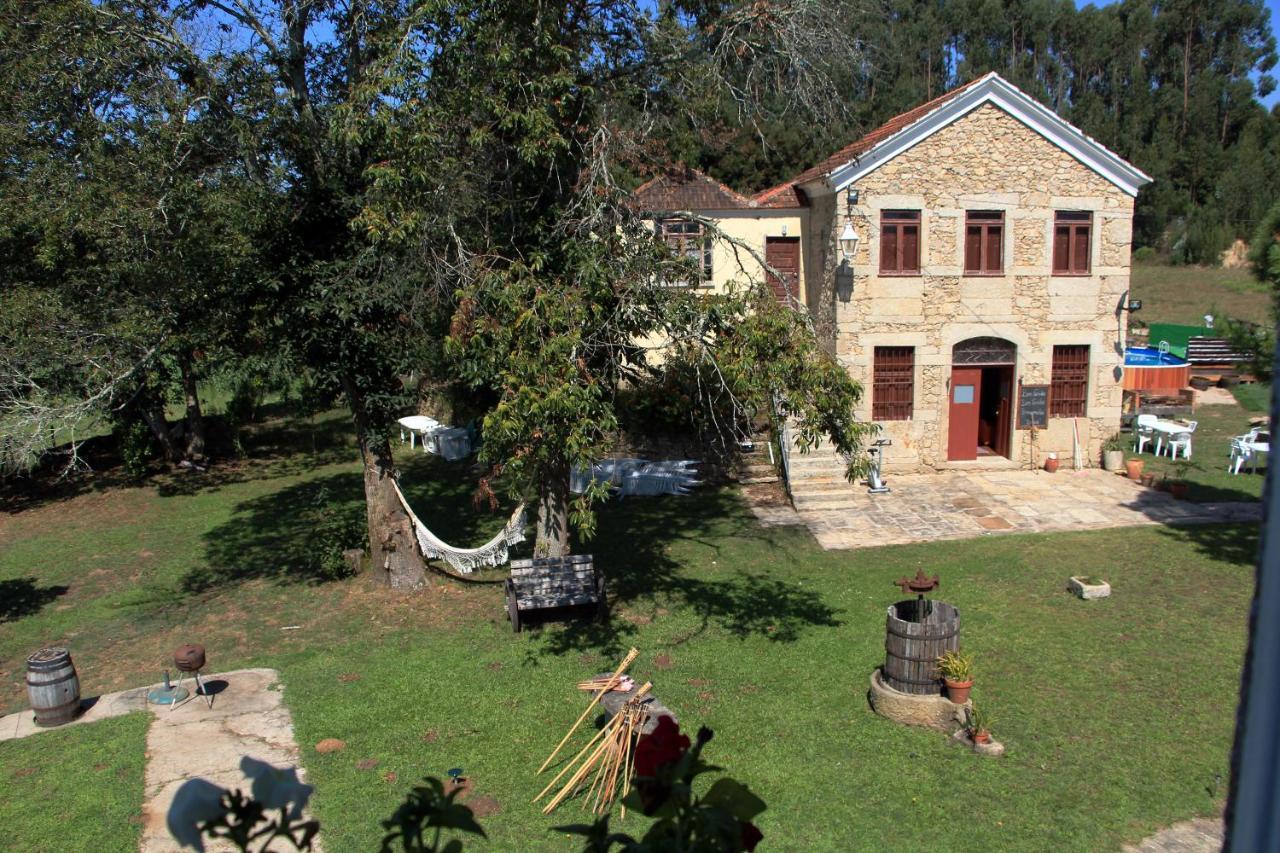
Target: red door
(962, 435)
(783, 255)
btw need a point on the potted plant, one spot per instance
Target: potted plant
(1113, 453)
(979, 726)
(1089, 587)
(1179, 486)
(957, 672)
(1051, 463)
(1133, 468)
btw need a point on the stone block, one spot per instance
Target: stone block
(930, 712)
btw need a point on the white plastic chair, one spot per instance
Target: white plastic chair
(1182, 441)
(1240, 454)
(1143, 432)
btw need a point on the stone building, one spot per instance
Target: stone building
(966, 258)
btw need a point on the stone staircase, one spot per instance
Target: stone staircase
(817, 480)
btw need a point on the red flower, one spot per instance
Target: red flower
(751, 836)
(664, 745)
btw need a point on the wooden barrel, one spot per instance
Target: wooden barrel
(53, 687)
(912, 645)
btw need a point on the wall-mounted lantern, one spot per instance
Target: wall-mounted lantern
(848, 241)
(850, 199)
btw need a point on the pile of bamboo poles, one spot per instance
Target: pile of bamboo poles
(607, 683)
(609, 754)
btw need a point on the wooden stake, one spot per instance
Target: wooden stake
(575, 781)
(572, 762)
(626, 662)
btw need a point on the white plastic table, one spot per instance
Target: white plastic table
(1256, 447)
(416, 425)
(1167, 428)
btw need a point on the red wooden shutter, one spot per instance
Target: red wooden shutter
(995, 249)
(1069, 382)
(973, 248)
(889, 248)
(1080, 253)
(893, 385)
(910, 248)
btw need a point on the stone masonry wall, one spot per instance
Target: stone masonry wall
(987, 160)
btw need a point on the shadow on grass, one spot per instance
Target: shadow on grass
(275, 536)
(285, 448)
(21, 597)
(296, 534)
(630, 547)
(1233, 544)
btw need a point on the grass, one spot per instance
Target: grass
(1117, 715)
(1180, 294)
(75, 788)
(1211, 448)
(1254, 398)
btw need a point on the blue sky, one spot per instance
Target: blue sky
(1273, 5)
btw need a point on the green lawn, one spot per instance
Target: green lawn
(1211, 448)
(1117, 715)
(1177, 294)
(78, 788)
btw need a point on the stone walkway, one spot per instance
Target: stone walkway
(1192, 836)
(962, 504)
(248, 717)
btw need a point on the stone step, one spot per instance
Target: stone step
(756, 481)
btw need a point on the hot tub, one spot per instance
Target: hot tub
(1149, 369)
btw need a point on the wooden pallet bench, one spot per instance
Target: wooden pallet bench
(552, 582)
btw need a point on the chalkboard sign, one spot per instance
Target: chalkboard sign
(1033, 406)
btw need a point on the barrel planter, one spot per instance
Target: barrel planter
(913, 642)
(53, 687)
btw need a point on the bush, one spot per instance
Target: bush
(336, 527)
(136, 448)
(1145, 255)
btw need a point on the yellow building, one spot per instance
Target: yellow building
(967, 261)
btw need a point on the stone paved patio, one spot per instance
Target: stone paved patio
(248, 717)
(957, 505)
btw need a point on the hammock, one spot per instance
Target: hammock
(466, 560)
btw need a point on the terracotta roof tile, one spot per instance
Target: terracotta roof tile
(684, 188)
(783, 195)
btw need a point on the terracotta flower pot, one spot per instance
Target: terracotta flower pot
(981, 737)
(1180, 490)
(1051, 464)
(1134, 468)
(958, 691)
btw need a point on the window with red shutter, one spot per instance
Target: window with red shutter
(1072, 231)
(1069, 382)
(900, 242)
(893, 384)
(984, 242)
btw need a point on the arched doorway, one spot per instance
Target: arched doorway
(981, 408)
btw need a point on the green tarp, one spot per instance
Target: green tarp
(1176, 336)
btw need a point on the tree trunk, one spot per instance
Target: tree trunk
(195, 417)
(160, 429)
(553, 517)
(393, 548)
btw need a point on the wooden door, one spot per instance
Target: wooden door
(1004, 412)
(783, 255)
(966, 393)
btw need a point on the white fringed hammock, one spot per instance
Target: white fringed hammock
(466, 560)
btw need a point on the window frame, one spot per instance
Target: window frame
(1069, 370)
(895, 221)
(1076, 222)
(985, 221)
(688, 239)
(893, 374)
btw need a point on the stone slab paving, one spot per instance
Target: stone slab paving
(248, 717)
(1203, 835)
(957, 505)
